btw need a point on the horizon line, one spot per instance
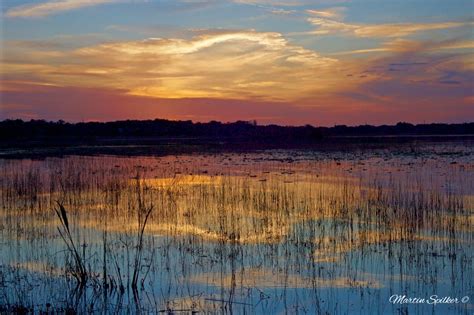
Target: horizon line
(251, 121)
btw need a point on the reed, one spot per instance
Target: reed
(78, 270)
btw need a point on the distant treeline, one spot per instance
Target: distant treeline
(400, 129)
(12, 130)
(158, 128)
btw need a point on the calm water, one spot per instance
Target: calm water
(269, 232)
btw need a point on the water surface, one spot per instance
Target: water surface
(274, 231)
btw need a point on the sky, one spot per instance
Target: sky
(289, 62)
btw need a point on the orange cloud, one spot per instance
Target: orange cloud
(238, 64)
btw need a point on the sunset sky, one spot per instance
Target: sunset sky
(291, 62)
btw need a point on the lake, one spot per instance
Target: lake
(359, 231)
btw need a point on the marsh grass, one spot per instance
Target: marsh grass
(264, 232)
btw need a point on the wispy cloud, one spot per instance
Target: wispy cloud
(53, 7)
(272, 2)
(336, 13)
(279, 11)
(361, 51)
(404, 45)
(327, 26)
(288, 3)
(423, 76)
